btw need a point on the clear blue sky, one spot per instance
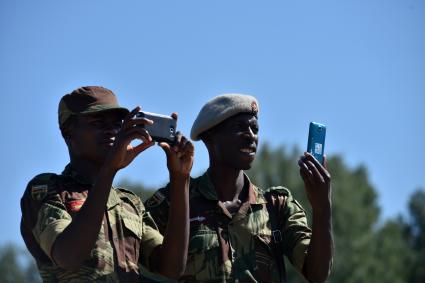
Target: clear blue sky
(357, 66)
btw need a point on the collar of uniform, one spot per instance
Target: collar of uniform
(70, 172)
(113, 198)
(254, 196)
(206, 188)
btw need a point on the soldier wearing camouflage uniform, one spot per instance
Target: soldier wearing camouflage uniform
(239, 232)
(78, 227)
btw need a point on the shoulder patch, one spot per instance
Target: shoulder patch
(40, 185)
(39, 192)
(156, 199)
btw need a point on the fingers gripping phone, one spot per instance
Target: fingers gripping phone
(316, 140)
(163, 128)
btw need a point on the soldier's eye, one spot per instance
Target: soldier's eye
(241, 126)
(96, 123)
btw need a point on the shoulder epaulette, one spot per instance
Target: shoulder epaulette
(132, 196)
(277, 190)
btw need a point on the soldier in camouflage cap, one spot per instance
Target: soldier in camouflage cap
(238, 231)
(78, 227)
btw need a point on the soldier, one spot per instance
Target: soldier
(239, 232)
(78, 227)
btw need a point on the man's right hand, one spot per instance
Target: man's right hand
(123, 153)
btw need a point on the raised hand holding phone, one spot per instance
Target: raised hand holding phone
(313, 168)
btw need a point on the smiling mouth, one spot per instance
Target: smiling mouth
(249, 151)
(109, 141)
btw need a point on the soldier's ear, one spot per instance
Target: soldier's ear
(67, 128)
(207, 137)
(66, 134)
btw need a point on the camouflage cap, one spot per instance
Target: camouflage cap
(88, 100)
(219, 109)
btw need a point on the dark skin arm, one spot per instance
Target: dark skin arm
(170, 258)
(317, 181)
(73, 246)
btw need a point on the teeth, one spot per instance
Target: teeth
(247, 150)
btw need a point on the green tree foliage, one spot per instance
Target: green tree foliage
(137, 188)
(416, 236)
(391, 254)
(16, 266)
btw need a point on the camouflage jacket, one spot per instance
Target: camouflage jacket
(126, 239)
(225, 247)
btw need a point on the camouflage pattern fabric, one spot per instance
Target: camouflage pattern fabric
(225, 247)
(127, 237)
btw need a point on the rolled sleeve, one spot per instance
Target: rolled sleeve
(151, 238)
(51, 222)
(297, 234)
(299, 253)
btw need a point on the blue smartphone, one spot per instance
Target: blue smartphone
(316, 140)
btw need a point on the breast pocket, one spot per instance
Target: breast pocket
(133, 231)
(203, 254)
(134, 227)
(264, 256)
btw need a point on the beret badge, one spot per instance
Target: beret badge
(254, 107)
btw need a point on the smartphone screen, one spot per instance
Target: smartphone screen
(316, 140)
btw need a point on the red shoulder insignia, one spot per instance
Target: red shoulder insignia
(75, 205)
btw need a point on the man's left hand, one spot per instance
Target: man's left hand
(179, 155)
(317, 181)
